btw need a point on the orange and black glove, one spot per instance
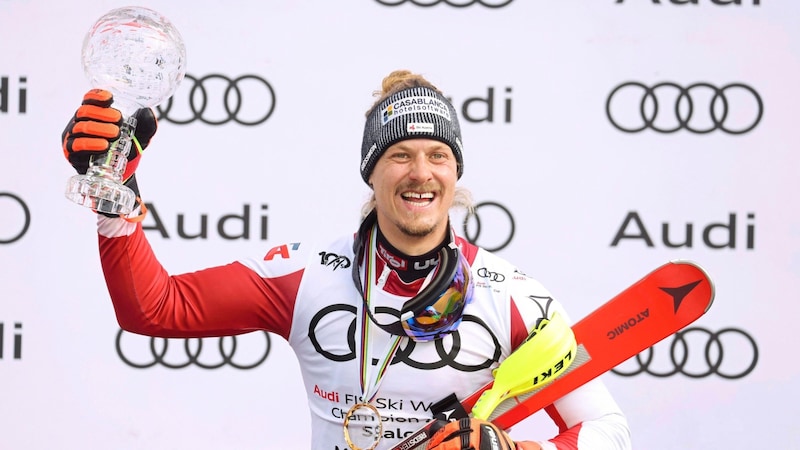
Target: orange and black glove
(471, 434)
(96, 125)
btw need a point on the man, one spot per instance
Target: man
(374, 335)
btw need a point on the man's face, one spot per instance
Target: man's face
(414, 183)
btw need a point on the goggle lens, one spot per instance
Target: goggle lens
(442, 315)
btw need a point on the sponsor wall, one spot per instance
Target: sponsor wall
(602, 139)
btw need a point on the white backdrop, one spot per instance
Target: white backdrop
(546, 148)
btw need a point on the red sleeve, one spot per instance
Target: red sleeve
(567, 438)
(223, 300)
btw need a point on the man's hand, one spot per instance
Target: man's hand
(471, 434)
(96, 125)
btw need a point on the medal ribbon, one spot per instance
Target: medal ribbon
(369, 384)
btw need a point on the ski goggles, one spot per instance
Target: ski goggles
(439, 307)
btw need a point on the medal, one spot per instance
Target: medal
(363, 425)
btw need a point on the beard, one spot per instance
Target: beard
(414, 227)
(415, 230)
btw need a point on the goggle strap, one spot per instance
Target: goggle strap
(445, 271)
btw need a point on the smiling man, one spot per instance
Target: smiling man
(414, 183)
(407, 326)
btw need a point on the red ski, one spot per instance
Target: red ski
(663, 302)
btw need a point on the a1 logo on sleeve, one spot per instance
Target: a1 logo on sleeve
(281, 251)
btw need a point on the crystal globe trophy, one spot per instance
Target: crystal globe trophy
(139, 56)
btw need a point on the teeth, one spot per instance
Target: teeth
(427, 195)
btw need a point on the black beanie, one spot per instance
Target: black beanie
(411, 113)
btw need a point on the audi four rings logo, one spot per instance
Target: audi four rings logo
(405, 354)
(492, 238)
(700, 108)
(455, 3)
(243, 352)
(729, 353)
(16, 218)
(497, 277)
(216, 100)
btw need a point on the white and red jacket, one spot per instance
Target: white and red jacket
(306, 294)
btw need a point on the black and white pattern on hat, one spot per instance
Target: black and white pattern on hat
(410, 113)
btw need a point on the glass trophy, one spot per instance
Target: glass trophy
(139, 56)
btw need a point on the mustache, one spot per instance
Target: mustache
(425, 187)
